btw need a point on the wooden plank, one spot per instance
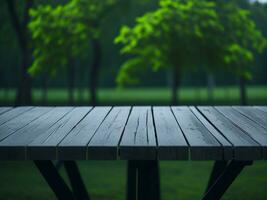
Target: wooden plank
(254, 130)
(4, 109)
(245, 148)
(74, 145)
(14, 146)
(44, 146)
(139, 140)
(171, 141)
(254, 114)
(13, 113)
(203, 145)
(227, 146)
(104, 144)
(19, 122)
(263, 108)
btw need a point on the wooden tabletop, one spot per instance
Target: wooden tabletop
(128, 133)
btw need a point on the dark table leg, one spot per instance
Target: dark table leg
(54, 180)
(143, 180)
(76, 181)
(217, 170)
(225, 179)
(131, 180)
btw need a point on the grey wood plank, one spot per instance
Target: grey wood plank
(139, 140)
(254, 130)
(171, 142)
(19, 122)
(245, 148)
(4, 109)
(15, 112)
(14, 146)
(254, 114)
(74, 145)
(44, 147)
(104, 144)
(203, 145)
(263, 108)
(227, 146)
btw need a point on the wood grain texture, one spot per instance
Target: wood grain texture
(141, 133)
(254, 114)
(44, 146)
(263, 108)
(104, 143)
(254, 130)
(226, 145)
(245, 148)
(11, 114)
(203, 145)
(74, 145)
(139, 140)
(171, 142)
(19, 122)
(16, 143)
(4, 109)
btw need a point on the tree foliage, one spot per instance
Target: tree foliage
(189, 34)
(63, 32)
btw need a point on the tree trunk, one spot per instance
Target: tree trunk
(71, 77)
(80, 94)
(24, 95)
(175, 85)
(25, 82)
(97, 56)
(243, 93)
(44, 92)
(211, 86)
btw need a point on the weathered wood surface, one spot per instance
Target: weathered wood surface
(142, 133)
(21, 138)
(226, 145)
(245, 148)
(104, 142)
(4, 109)
(203, 145)
(10, 114)
(139, 139)
(263, 108)
(74, 145)
(171, 141)
(44, 146)
(256, 115)
(255, 131)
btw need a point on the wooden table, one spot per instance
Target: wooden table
(231, 136)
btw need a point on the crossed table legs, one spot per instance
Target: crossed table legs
(143, 180)
(57, 183)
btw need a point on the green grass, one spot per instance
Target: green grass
(148, 96)
(105, 180)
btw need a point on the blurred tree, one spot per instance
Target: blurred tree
(243, 31)
(62, 34)
(20, 26)
(189, 34)
(59, 35)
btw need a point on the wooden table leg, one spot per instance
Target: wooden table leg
(143, 180)
(76, 181)
(131, 180)
(217, 170)
(223, 182)
(54, 180)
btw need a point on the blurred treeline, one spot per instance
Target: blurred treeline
(11, 50)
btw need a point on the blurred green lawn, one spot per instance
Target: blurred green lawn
(106, 180)
(145, 96)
